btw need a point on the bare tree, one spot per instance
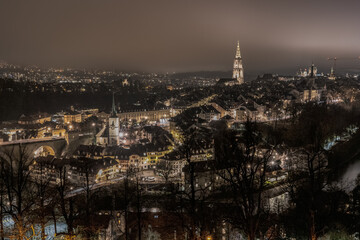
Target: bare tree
(241, 162)
(138, 207)
(191, 198)
(86, 167)
(19, 192)
(124, 199)
(308, 180)
(44, 201)
(355, 205)
(164, 168)
(66, 203)
(2, 195)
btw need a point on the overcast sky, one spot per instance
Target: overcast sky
(179, 35)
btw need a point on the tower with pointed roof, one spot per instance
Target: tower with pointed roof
(238, 71)
(114, 125)
(332, 74)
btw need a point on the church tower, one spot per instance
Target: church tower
(114, 124)
(332, 74)
(238, 71)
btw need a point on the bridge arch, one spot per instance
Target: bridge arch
(43, 151)
(36, 147)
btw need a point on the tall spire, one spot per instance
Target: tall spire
(238, 55)
(114, 124)
(332, 73)
(238, 71)
(113, 109)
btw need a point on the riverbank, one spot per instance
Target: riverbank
(344, 160)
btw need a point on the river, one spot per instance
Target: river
(350, 174)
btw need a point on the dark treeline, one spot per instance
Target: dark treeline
(14, 105)
(30, 98)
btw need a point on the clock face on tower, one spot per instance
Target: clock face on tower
(112, 127)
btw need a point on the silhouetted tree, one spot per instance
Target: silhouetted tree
(66, 203)
(242, 161)
(44, 203)
(19, 192)
(308, 179)
(192, 200)
(164, 169)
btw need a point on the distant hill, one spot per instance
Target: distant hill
(210, 74)
(202, 74)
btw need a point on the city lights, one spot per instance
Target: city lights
(179, 120)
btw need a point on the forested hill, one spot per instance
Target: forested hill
(202, 74)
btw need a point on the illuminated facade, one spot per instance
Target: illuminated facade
(72, 117)
(151, 115)
(238, 71)
(311, 95)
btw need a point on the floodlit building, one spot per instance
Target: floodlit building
(238, 71)
(159, 115)
(72, 116)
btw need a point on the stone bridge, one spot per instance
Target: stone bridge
(36, 147)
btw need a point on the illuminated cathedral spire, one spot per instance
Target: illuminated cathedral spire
(238, 71)
(113, 109)
(238, 55)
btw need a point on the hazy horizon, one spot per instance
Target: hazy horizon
(162, 36)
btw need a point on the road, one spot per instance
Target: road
(92, 187)
(144, 180)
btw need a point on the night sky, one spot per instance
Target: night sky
(152, 35)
